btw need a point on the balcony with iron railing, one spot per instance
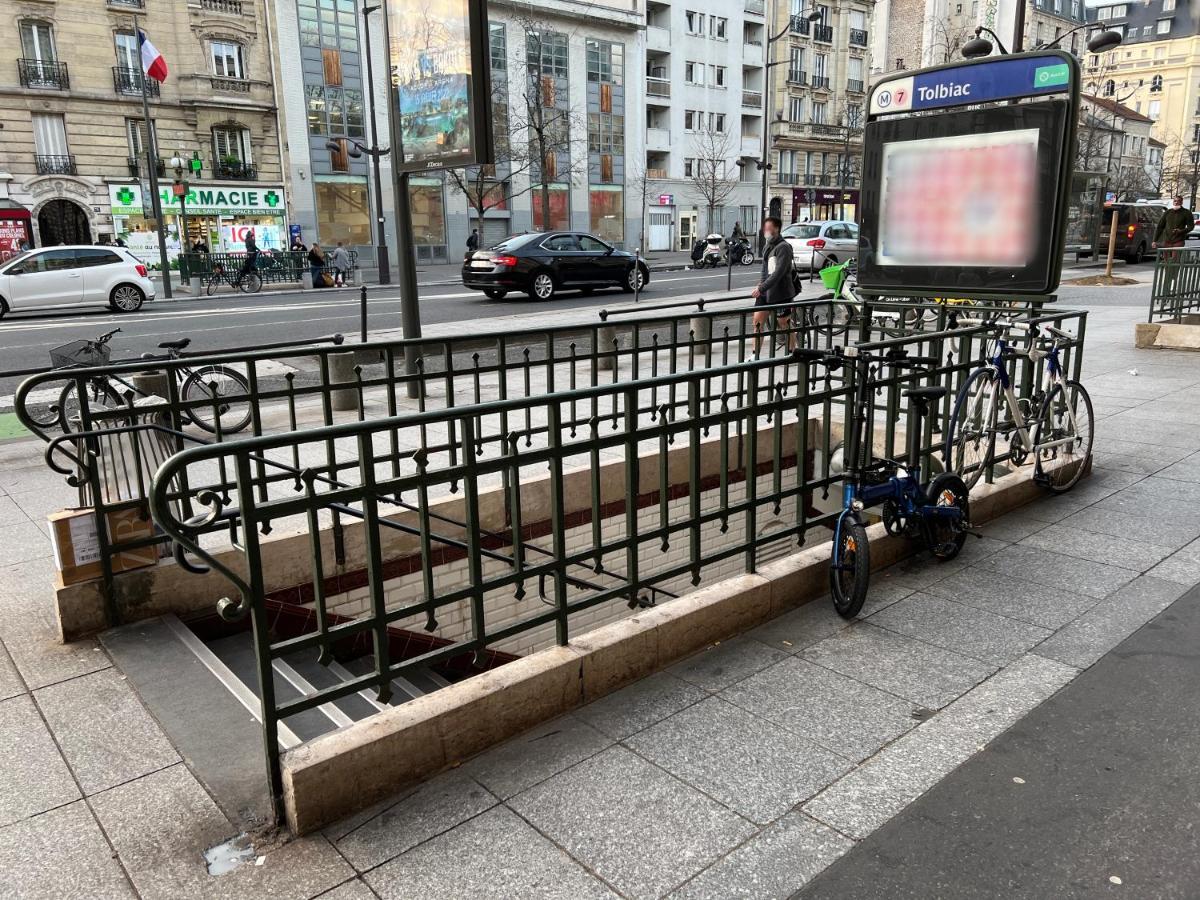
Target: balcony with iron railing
(232, 7)
(229, 85)
(128, 4)
(820, 81)
(137, 166)
(38, 73)
(55, 165)
(129, 81)
(855, 85)
(823, 33)
(752, 99)
(796, 76)
(235, 170)
(800, 25)
(858, 37)
(789, 178)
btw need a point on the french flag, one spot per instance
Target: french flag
(153, 63)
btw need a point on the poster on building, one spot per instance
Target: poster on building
(440, 83)
(13, 232)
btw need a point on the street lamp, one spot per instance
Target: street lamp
(764, 164)
(980, 46)
(179, 164)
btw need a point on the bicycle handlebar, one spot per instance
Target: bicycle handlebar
(105, 338)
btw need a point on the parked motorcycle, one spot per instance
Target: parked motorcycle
(739, 250)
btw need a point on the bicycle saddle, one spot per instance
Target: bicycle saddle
(180, 344)
(925, 394)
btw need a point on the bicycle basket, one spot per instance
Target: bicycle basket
(80, 354)
(833, 276)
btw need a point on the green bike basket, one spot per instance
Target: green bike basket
(833, 276)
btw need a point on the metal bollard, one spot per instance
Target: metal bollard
(701, 329)
(341, 371)
(151, 384)
(606, 345)
(306, 281)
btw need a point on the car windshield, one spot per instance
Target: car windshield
(802, 231)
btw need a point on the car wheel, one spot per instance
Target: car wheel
(3, 308)
(1139, 255)
(495, 293)
(542, 287)
(635, 279)
(126, 298)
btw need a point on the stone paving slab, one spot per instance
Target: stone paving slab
(640, 705)
(635, 826)
(34, 778)
(1012, 598)
(60, 854)
(160, 824)
(866, 798)
(1056, 571)
(11, 684)
(717, 667)
(754, 767)
(843, 715)
(1182, 567)
(105, 733)
(774, 863)
(536, 755)
(928, 675)
(496, 855)
(351, 890)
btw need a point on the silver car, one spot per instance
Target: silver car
(821, 244)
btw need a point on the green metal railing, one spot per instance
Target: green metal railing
(1175, 291)
(719, 459)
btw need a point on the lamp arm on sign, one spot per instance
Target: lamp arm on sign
(980, 46)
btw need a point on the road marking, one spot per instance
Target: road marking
(46, 395)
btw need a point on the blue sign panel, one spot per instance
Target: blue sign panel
(981, 82)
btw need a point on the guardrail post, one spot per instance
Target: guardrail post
(341, 371)
(606, 346)
(701, 329)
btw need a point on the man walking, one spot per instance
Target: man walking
(473, 241)
(1175, 225)
(775, 285)
(340, 260)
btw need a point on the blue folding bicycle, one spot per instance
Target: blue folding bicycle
(937, 514)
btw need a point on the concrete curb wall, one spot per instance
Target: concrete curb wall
(343, 772)
(1168, 335)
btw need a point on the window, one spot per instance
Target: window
(822, 14)
(717, 27)
(719, 76)
(49, 261)
(796, 61)
(1154, 108)
(899, 62)
(135, 132)
(49, 135)
(974, 9)
(1077, 10)
(498, 46)
(546, 53)
(818, 112)
(94, 256)
(695, 22)
(605, 62)
(227, 59)
(231, 148)
(855, 68)
(606, 214)
(1104, 13)
(606, 133)
(589, 244)
(796, 109)
(1168, 5)
(1164, 26)
(344, 210)
(1110, 88)
(689, 166)
(691, 119)
(128, 56)
(717, 123)
(820, 65)
(858, 19)
(562, 243)
(693, 72)
(1156, 84)
(854, 115)
(37, 41)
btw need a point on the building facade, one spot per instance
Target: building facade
(1157, 70)
(73, 145)
(705, 86)
(818, 109)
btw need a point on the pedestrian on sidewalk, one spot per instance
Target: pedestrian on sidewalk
(472, 241)
(1175, 225)
(340, 260)
(316, 265)
(251, 255)
(775, 284)
(297, 245)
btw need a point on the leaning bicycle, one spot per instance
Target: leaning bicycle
(937, 513)
(246, 282)
(215, 398)
(1054, 424)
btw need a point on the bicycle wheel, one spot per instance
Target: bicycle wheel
(103, 403)
(945, 536)
(217, 394)
(211, 287)
(833, 319)
(250, 283)
(971, 437)
(1062, 441)
(848, 581)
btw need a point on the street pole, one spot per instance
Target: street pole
(1195, 175)
(1018, 43)
(381, 249)
(768, 102)
(152, 166)
(410, 309)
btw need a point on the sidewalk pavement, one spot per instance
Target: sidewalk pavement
(742, 771)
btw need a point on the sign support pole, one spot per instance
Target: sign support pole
(152, 166)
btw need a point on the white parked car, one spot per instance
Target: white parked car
(821, 244)
(74, 275)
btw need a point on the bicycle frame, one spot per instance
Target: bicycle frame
(1051, 375)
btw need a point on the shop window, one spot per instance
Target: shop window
(343, 210)
(559, 208)
(227, 59)
(428, 212)
(606, 210)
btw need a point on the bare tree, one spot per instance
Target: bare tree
(1181, 167)
(946, 36)
(641, 183)
(714, 176)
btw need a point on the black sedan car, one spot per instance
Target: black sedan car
(542, 263)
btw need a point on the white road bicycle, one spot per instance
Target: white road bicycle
(1059, 435)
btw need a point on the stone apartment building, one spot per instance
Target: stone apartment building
(72, 149)
(818, 112)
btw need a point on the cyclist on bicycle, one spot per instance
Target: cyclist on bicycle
(251, 255)
(776, 284)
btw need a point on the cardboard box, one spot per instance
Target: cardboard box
(77, 545)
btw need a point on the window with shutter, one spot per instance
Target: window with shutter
(332, 62)
(606, 167)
